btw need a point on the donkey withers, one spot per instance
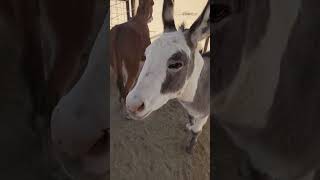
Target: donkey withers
(129, 41)
(174, 69)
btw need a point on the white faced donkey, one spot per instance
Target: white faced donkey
(174, 69)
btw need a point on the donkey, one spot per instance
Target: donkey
(174, 69)
(128, 43)
(266, 86)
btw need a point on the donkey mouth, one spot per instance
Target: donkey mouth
(137, 116)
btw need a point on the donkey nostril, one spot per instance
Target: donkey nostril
(141, 107)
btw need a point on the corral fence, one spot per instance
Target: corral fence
(121, 11)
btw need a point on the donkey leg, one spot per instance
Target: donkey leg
(190, 123)
(195, 129)
(194, 139)
(131, 78)
(120, 88)
(196, 125)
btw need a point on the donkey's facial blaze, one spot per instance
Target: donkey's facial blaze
(164, 75)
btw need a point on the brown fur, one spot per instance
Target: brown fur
(128, 43)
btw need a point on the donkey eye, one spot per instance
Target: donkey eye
(176, 65)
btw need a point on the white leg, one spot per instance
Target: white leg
(197, 125)
(195, 129)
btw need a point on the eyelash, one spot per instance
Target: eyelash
(175, 65)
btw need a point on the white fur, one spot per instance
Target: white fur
(124, 73)
(198, 124)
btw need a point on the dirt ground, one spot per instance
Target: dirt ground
(155, 148)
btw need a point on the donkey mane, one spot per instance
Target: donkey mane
(182, 27)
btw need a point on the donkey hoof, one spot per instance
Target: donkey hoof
(190, 149)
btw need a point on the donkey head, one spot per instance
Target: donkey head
(145, 10)
(171, 61)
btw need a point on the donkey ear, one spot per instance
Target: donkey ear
(221, 14)
(167, 16)
(200, 29)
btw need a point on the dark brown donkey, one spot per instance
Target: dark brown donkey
(128, 43)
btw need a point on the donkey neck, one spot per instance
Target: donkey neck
(140, 19)
(190, 88)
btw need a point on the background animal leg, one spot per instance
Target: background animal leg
(120, 88)
(132, 76)
(197, 124)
